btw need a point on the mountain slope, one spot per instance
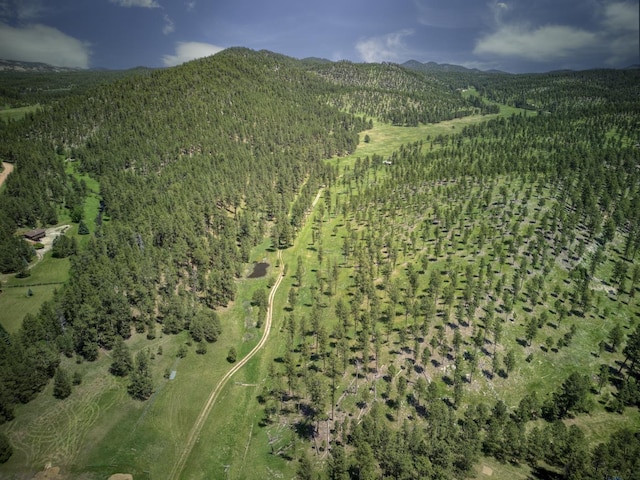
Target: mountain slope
(196, 164)
(394, 94)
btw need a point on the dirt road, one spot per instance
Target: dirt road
(7, 168)
(202, 417)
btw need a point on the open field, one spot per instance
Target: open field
(47, 275)
(385, 138)
(13, 114)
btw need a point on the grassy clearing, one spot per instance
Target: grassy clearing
(91, 203)
(385, 138)
(490, 468)
(14, 114)
(505, 110)
(242, 446)
(15, 302)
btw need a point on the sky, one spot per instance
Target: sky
(513, 35)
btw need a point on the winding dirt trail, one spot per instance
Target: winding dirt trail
(202, 417)
(7, 168)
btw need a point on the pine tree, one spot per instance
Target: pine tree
(338, 465)
(141, 385)
(232, 355)
(82, 228)
(5, 448)
(62, 384)
(121, 363)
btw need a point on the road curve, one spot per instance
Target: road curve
(202, 417)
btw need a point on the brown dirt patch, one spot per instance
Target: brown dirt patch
(7, 168)
(121, 476)
(49, 473)
(487, 471)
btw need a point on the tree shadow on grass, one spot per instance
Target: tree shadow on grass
(304, 429)
(487, 374)
(543, 473)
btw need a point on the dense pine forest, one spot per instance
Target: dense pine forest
(460, 304)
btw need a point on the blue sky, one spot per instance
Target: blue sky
(511, 35)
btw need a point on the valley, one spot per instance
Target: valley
(441, 299)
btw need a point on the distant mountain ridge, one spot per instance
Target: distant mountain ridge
(19, 66)
(443, 67)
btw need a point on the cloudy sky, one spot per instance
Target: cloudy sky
(511, 35)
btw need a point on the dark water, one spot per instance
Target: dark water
(259, 270)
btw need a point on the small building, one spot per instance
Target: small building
(35, 235)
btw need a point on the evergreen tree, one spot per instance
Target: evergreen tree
(141, 383)
(616, 336)
(338, 466)
(121, 360)
(232, 355)
(62, 384)
(632, 350)
(82, 228)
(5, 448)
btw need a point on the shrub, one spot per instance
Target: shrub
(5, 448)
(232, 356)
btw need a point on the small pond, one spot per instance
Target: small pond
(259, 270)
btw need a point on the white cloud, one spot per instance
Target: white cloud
(137, 3)
(169, 26)
(384, 48)
(186, 51)
(613, 39)
(621, 28)
(621, 16)
(550, 42)
(499, 8)
(21, 10)
(40, 43)
(29, 10)
(191, 5)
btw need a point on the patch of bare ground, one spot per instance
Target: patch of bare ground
(7, 168)
(49, 473)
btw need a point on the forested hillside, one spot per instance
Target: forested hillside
(193, 163)
(471, 295)
(41, 84)
(396, 95)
